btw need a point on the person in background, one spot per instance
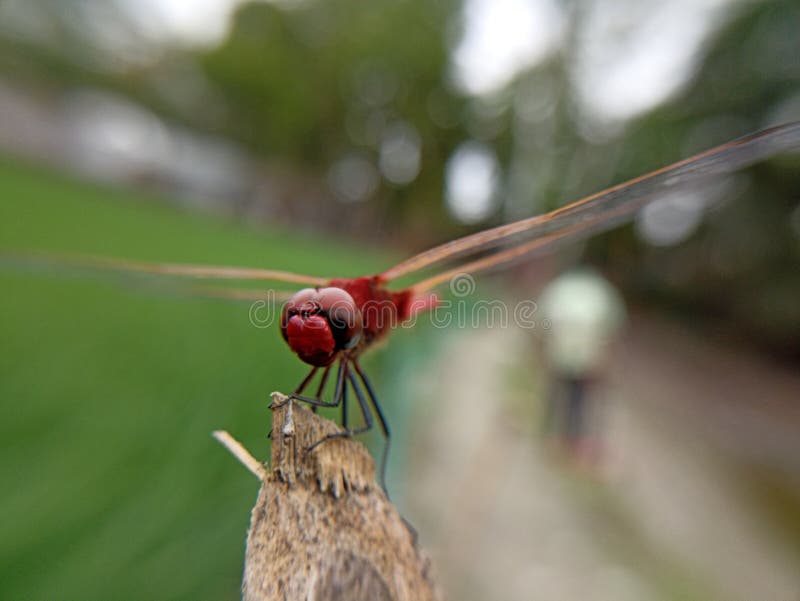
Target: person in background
(583, 314)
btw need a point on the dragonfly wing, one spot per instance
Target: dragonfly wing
(267, 297)
(249, 295)
(610, 207)
(522, 249)
(124, 266)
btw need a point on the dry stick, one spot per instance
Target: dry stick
(322, 529)
(243, 455)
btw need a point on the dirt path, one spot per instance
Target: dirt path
(693, 421)
(665, 519)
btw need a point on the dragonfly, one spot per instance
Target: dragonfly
(331, 322)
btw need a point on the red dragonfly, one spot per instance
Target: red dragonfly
(334, 320)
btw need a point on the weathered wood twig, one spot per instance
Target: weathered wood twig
(322, 529)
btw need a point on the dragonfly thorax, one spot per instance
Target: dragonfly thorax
(319, 323)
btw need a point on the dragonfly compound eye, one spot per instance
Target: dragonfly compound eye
(343, 315)
(292, 308)
(318, 323)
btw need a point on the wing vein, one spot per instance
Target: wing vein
(208, 272)
(607, 208)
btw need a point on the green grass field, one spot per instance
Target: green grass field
(112, 485)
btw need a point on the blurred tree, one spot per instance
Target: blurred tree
(323, 82)
(738, 268)
(740, 271)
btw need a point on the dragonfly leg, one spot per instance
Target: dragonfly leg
(306, 380)
(365, 411)
(341, 376)
(321, 387)
(344, 403)
(387, 435)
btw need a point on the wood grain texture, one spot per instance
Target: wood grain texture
(322, 529)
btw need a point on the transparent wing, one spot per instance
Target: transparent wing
(122, 266)
(518, 251)
(601, 211)
(57, 266)
(248, 295)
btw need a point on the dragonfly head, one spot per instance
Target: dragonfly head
(318, 323)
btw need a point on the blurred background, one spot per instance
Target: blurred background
(336, 138)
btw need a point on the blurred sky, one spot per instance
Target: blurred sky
(194, 21)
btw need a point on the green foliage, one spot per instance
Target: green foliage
(308, 84)
(292, 78)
